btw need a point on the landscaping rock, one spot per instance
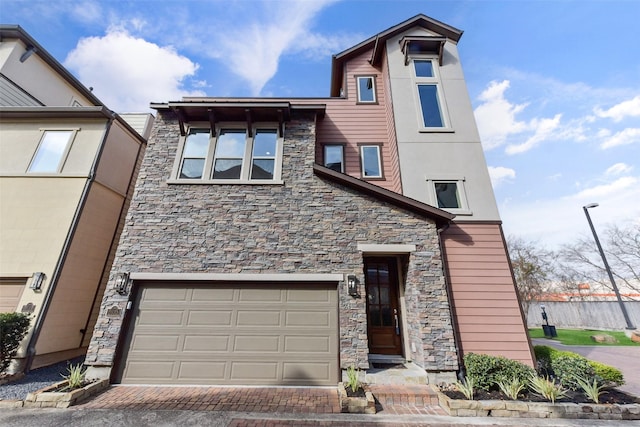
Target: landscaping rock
(635, 335)
(604, 338)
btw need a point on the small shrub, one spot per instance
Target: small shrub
(544, 353)
(511, 388)
(466, 387)
(13, 328)
(353, 381)
(610, 376)
(546, 388)
(568, 367)
(76, 376)
(591, 390)
(488, 371)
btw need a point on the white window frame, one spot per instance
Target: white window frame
(362, 170)
(441, 99)
(247, 159)
(64, 154)
(462, 194)
(373, 89)
(324, 155)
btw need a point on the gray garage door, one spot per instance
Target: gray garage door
(270, 334)
(10, 293)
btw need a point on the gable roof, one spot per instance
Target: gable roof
(378, 41)
(438, 215)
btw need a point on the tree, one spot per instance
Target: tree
(533, 268)
(621, 245)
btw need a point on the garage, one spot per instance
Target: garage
(10, 293)
(236, 334)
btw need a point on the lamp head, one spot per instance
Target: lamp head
(591, 205)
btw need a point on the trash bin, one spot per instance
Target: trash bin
(549, 331)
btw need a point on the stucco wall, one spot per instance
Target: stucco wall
(307, 225)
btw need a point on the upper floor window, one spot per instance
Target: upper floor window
(370, 161)
(432, 106)
(366, 86)
(232, 155)
(52, 150)
(334, 157)
(449, 193)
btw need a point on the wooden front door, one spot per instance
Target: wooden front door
(383, 309)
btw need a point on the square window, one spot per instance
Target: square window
(366, 89)
(334, 157)
(430, 106)
(370, 160)
(447, 195)
(48, 157)
(423, 68)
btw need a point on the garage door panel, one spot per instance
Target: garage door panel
(209, 318)
(307, 344)
(206, 343)
(260, 343)
(165, 294)
(160, 318)
(258, 318)
(10, 294)
(234, 334)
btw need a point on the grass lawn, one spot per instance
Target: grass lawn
(582, 336)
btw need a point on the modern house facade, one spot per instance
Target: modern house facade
(280, 241)
(67, 169)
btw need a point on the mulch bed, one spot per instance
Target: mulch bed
(611, 396)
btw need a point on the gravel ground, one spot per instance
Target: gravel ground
(36, 379)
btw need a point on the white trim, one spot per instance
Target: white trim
(240, 277)
(386, 248)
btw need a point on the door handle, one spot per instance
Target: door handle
(395, 317)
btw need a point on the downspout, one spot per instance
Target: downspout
(452, 309)
(31, 348)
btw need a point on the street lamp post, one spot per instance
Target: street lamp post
(606, 265)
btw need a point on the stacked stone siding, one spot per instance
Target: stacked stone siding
(306, 225)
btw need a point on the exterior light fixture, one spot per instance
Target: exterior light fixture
(37, 281)
(606, 265)
(122, 282)
(352, 285)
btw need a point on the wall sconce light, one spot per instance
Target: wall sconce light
(30, 51)
(352, 285)
(37, 281)
(122, 282)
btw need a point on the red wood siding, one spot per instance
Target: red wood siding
(483, 295)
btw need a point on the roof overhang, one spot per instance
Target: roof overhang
(440, 217)
(235, 111)
(422, 45)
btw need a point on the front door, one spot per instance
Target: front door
(383, 310)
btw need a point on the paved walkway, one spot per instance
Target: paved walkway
(625, 358)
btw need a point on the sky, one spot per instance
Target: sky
(555, 85)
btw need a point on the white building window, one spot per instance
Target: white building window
(370, 161)
(449, 194)
(334, 157)
(366, 87)
(432, 106)
(51, 152)
(231, 156)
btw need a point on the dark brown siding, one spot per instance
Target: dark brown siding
(488, 316)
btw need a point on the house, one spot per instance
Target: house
(67, 169)
(282, 241)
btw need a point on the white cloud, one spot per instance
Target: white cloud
(619, 169)
(496, 116)
(500, 174)
(624, 137)
(605, 190)
(544, 128)
(617, 113)
(128, 72)
(86, 11)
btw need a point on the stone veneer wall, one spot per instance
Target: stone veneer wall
(307, 225)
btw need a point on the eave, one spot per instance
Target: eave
(440, 217)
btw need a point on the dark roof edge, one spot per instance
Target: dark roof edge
(438, 215)
(17, 32)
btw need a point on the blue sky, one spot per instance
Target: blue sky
(555, 85)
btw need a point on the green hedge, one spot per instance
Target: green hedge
(611, 377)
(13, 328)
(487, 370)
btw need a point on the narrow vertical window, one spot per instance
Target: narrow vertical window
(366, 89)
(447, 195)
(195, 153)
(48, 157)
(370, 159)
(430, 106)
(263, 158)
(334, 157)
(229, 154)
